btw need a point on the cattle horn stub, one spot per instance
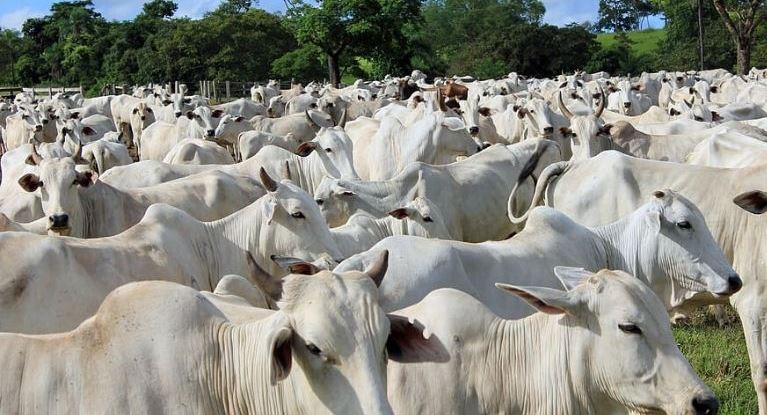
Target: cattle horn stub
(377, 270)
(269, 183)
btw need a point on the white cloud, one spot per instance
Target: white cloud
(16, 18)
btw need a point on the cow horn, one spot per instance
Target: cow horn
(78, 155)
(377, 270)
(313, 123)
(270, 286)
(35, 155)
(286, 171)
(566, 112)
(602, 100)
(269, 183)
(440, 102)
(342, 121)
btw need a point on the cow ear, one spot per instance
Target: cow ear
(545, 300)
(571, 277)
(409, 342)
(754, 201)
(217, 113)
(400, 213)
(89, 131)
(190, 115)
(30, 182)
(239, 118)
(74, 115)
(268, 208)
(282, 354)
(295, 265)
(85, 178)
(652, 218)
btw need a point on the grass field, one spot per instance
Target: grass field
(720, 358)
(645, 41)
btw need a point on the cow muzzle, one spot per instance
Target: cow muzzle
(627, 105)
(548, 130)
(59, 224)
(38, 128)
(705, 405)
(178, 114)
(474, 130)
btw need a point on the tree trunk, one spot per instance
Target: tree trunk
(334, 72)
(744, 55)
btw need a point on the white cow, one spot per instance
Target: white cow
(157, 140)
(328, 154)
(729, 151)
(611, 185)
(603, 347)
(198, 151)
(251, 142)
(434, 139)
(242, 107)
(76, 203)
(175, 351)
(675, 262)
(488, 177)
(167, 244)
(102, 155)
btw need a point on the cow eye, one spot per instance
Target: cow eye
(297, 215)
(328, 150)
(684, 225)
(313, 349)
(428, 219)
(630, 328)
(532, 112)
(698, 118)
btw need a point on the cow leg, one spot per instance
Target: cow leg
(751, 310)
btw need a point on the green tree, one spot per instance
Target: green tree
(741, 17)
(351, 27)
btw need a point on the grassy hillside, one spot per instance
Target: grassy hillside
(645, 41)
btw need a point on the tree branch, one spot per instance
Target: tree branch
(728, 23)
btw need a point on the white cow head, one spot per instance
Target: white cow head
(33, 120)
(332, 327)
(621, 344)
(288, 211)
(229, 128)
(142, 114)
(77, 133)
(336, 200)
(202, 124)
(334, 148)
(423, 218)
(588, 134)
(537, 117)
(58, 184)
(679, 256)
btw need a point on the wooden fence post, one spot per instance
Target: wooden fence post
(215, 91)
(227, 90)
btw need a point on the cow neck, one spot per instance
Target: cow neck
(624, 245)
(241, 375)
(377, 197)
(102, 202)
(232, 236)
(537, 361)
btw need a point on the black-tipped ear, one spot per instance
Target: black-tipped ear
(30, 182)
(754, 201)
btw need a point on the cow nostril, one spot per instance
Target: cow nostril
(319, 201)
(178, 114)
(627, 104)
(143, 118)
(59, 221)
(735, 283)
(548, 130)
(210, 133)
(705, 405)
(38, 128)
(474, 130)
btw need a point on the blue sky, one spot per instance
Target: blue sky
(13, 13)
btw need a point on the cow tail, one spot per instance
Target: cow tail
(547, 174)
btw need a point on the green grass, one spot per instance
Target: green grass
(719, 357)
(645, 41)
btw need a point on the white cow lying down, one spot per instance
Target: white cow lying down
(157, 347)
(604, 347)
(167, 244)
(675, 262)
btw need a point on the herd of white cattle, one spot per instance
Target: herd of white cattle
(380, 248)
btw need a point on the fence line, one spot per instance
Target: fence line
(11, 91)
